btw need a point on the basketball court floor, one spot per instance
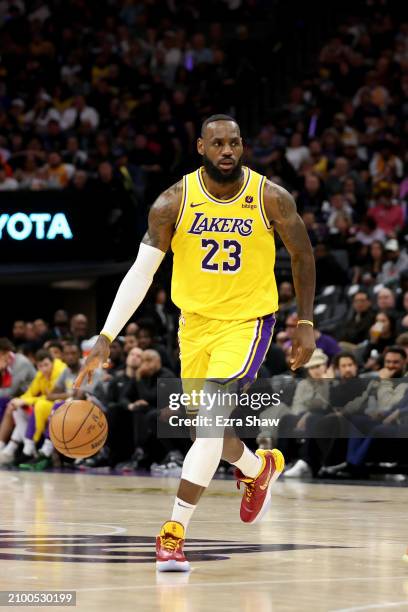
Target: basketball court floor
(321, 547)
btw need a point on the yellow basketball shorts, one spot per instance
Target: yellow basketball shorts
(223, 350)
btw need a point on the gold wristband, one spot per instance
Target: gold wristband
(305, 322)
(107, 336)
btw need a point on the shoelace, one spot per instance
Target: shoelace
(250, 486)
(169, 542)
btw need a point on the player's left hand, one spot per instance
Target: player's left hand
(303, 345)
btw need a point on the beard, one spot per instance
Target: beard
(222, 177)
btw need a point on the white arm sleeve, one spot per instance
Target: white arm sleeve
(132, 289)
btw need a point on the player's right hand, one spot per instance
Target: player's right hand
(97, 358)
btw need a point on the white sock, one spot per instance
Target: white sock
(249, 463)
(29, 447)
(182, 512)
(11, 447)
(2, 445)
(47, 448)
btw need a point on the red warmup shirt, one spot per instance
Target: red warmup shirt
(387, 219)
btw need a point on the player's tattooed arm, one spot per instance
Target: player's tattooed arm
(280, 208)
(163, 216)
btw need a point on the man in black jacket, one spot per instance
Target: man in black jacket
(362, 318)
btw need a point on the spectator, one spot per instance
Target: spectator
(397, 262)
(79, 327)
(361, 320)
(385, 299)
(388, 215)
(81, 115)
(327, 268)
(18, 333)
(49, 370)
(381, 333)
(7, 183)
(56, 172)
(310, 402)
(122, 396)
(312, 195)
(368, 232)
(16, 373)
(60, 324)
(296, 152)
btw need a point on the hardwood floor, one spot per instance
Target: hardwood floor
(320, 548)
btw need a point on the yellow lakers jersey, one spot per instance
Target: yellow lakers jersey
(224, 252)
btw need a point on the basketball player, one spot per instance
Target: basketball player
(219, 222)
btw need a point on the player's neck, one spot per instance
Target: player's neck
(222, 191)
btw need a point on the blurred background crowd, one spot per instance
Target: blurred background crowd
(107, 99)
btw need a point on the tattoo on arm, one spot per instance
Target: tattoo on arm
(162, 218)
(281, 210)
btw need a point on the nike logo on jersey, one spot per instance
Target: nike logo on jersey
(199, 204)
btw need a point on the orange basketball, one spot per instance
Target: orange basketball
(78, 429)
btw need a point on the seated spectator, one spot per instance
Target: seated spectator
(312, 195)
(80, 113)
(296, 152)
(328, 270)
(60, 326)
(49, 370)
(356, 329)
(316, 231)
(78, 327)
(396, 262)
(375, 262)
(368, 232)
(7, 183)
(351, 421)
(55, 349)
(56, 172)
(116, 357)
(340, 235)
(130, 342)
(122, 396)
(310, 402)
(18, 333)
(386, 299)
(42, 330)
(146, 340)
(395, 366)
(385, 165)
(388, 215)
(287, 302)
(381, 334)
(319, 161)
(337, 205)
(16, 373)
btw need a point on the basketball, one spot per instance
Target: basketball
(78, 429)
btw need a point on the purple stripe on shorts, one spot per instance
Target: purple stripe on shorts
(251, 352)
(262, 347)
(31, 426)
(54, 408)
(3, 403)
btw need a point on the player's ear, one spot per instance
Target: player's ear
(200, 146)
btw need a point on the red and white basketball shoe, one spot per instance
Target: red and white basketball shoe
(169, 548)
(257, 496)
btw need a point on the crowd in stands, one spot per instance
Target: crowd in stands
(118, 102)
